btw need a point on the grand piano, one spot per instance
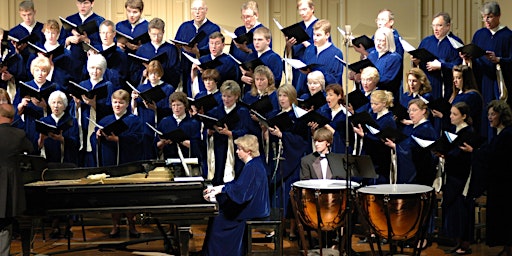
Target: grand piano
(63, 191)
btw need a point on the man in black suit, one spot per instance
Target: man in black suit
(13, 142)
(321, 164)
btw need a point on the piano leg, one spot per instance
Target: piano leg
(26, 234)
(184, 238)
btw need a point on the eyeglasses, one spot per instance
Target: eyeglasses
(413, 110)
(200, 9)
(246, 17)
(156, 34)
(488, 17)
(381, 20)
(437, 25)
(215, 44)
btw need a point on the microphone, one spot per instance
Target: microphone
(348, 34)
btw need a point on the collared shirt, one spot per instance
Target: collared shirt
(261, 53)
(319, 49)
(228, 110)
(85, 17)
(29, 28)
(202, 23)
(122, 114)
(57, 118)
(179, 118)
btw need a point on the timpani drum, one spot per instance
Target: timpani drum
(326, 197)
(396, 211)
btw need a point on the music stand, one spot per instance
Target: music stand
(360, 166)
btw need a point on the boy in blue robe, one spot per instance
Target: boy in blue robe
(321, 53)
(135, 25)
(74, 39)
(261, 40)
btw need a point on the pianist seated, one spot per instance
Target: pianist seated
(244, 198)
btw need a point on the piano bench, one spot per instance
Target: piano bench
(273, 222)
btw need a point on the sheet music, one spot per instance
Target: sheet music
(423, 143)
(406, 45)
(230, 34)
(451, 136)
(192, 59)
(372, 129)
(340, 59)
(278, 24)
(456, 44)
(423, 99)
(298, 111)
(297, 64)
(235, 59)
(95, 124)
(131, 86)
(154, 129)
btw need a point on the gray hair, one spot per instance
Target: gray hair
(97, 60)
(491, 8)
(58, 94)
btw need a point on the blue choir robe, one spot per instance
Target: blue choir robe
(29, 123)
(20, 32)
(458, 211)
(204, 132)
(65, 69)
(192, 129)
(299, 49)
(185, 33)
(441, 80)
(338, 123)
(228, 70)
(239, 54)
(221, 141)
(53, 149)
(172, 70)
(390, 68)
(405, 98)
(377, 150)
(485, 71)
(254, 127)
(415, 164)
(129, 147)
(246, 197)
(117, 67)
(150, 116)
(274, 62)
(126, 28)
(103, 109)
(76, 49)
(294, 142)
(476, 106)
(17, 68)
(328, 65)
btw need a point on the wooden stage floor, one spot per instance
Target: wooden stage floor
(98, 234)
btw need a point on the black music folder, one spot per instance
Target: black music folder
(313, 116)
(393, 134)
(363, 40)
(192, 42)
(77, 90)
(177, 135)
(55, 52)
(45, 128)
(296, 31)
(472, 50)
(400, 112)
(360, 65)
(357, 99)
(263, 105)
(153, 94)
(423, 54)
(27, 90)
(360, 166)
(298, 64)
(282, 120)
(440, 104)
(244, 38)
(33, 38)
(5, 42)
(231, 119)
(315, 101)
(207, 102)
(162, 57)
(90, 27)
(86, 47)
(211, 64)
(9, 60)
(363, 118)
(117, 127)
(251, 65)
(141, 39)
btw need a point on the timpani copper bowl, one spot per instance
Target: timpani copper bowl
(396, 211)
(321, 201)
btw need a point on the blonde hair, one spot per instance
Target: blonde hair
(250, 5)
(249, 143)
(121, 95)
(323, 25)
(290, 92)
(317, 76)
(388, 35)
(41, 62)
(383, 96)
(263, 70)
